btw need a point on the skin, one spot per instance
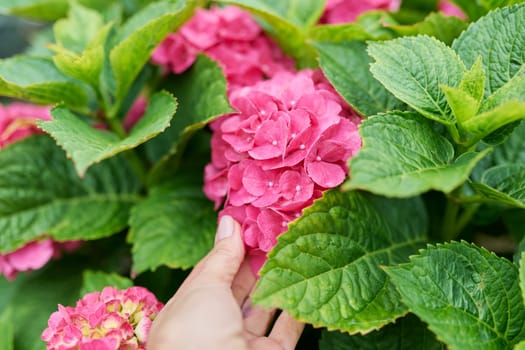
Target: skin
(215, 298)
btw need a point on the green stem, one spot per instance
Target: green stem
(449, 219)
(133, 158)
(465, 218)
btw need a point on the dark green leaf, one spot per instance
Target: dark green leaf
(201, 93)
(174, 226)
(346, 65)
(412, 68)
(403, 156)
(408, 333)
(513, 150)
(37, 79)
(41, 195)
(442, 27)
(504, 184)
(500, 39)
(93, 281)
(86, 145)
(470, 298)
(326, 269)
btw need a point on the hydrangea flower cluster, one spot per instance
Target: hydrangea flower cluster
(345, 11)
(108, 320)
(231, 37)
(450, 9)
(290, 140)
(17, 121)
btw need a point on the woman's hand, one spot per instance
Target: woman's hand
(211, 309)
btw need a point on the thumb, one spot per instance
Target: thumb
(222, 263)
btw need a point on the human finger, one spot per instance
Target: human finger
(243, 282)
(257, 320)
(286, 331)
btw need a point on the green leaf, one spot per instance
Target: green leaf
(36, 79)
(403, 156)
(41, 195)
(46, 10)
(290, 36)
(504, 184)
(513, 150)
(88, 65)
(326, 269)
(201, 93)
(488, 122)
(465, 99)
(408, 333)
(86, 145)
(93, 281)
(500, 40)
(442, 27)
(522, 275)
(137, 39)
(78, 29)
(304, 13)
(357, 85)
(363, 29)
(412, 68)
(469, 297)
(174, 225)
(6, 331)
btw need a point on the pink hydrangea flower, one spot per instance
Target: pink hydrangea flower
(108, 320)
(17, 121)
(290, 139)
(230, 36)
(345, 11)
(450, 9)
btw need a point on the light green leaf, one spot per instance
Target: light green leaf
(174, 226)
(465, 99)
(40, 195)
(408, 333)
(488, 122)
(88, 65)
(290, 36)
(403, 156)
(6, 331)
(504, 184)
(326, 269)
(36, 79)
(500, 40)
(522, 275)
(412, 68)
(201, 93)
(442, 27)
(469, 297)
(78, 29)
(520, 345)
(346, 65)
(86, 145)
(46, 10)
(367, 27)
(95, 281)
(139, 36)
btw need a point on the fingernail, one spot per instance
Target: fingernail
(225, 228)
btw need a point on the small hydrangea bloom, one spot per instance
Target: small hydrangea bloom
(17, 121)
(230, 36)
(290, 139)
(450, 9)
(108, 320)
(346, 11)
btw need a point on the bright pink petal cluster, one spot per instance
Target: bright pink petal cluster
(108, 320)
(290, 139)
(17, 121)
(230, 36)
(345, 11)
(450, 9)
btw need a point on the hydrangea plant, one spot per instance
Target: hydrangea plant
(372, 151)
